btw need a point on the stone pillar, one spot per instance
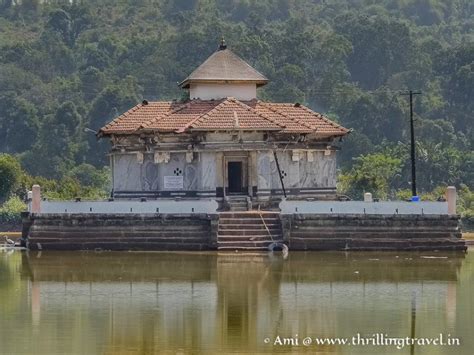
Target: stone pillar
(220, 174)
(253, 173)
(368, 197)
(451, 198)
(36, 199)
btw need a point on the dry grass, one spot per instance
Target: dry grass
(469, 235)
(12, 235)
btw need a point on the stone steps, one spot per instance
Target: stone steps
(231, 248)
(248, 221)
(246, 231)
(255, 214)
(252, 238)
(253, 227)
(244, 245)
(249, 232)
(238, 204)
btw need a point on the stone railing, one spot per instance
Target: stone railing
(370, 207)
(361, 207)
(164, 206)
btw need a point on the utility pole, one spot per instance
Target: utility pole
(412, 139)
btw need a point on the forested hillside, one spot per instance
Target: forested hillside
(68, 65)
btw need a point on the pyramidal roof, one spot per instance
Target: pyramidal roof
(224, 66)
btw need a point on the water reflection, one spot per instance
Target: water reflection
(185, 302)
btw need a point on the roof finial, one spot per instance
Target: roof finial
(222, 45)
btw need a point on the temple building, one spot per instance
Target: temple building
(225, 171)
(223, 143)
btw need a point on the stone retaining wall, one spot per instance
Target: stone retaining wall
(199, 232)
(372, 232)
(120, 231)
(9, 227)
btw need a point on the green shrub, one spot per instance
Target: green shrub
(10, 172)
(10, 211)
(67, 188)
(466, 206)
(370, 173)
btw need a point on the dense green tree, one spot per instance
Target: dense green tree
(381, 47)
(10, 172)
(69, 22)
(67, 65)
(88, 175)
(457, 67)
(371, 173)
(59, 143)
(113, 100)
(18, 124)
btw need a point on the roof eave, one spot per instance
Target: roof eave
(254, 129)
(185, 84)
(330, 135)
(102, 134)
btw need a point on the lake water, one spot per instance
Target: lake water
(145, 303)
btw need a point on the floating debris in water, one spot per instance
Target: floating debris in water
(356, 272)
(434, 257)
(374, 259)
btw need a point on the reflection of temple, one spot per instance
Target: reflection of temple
(143, 302)
(248, 297)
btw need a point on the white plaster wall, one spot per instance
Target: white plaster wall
(208, 91)
(201, 173)
(321, 172)
(267, 171)
(268, 177)
(177, 161)
(290, 169)
(129, 175)
(149, 173)
(208, 171)
(190, 171)
(127, 172)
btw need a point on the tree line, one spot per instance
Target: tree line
(70, 65)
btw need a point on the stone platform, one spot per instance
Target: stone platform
(241, 230)
(372, 232)
(120, 231)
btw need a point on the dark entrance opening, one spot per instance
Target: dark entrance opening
(234, 175)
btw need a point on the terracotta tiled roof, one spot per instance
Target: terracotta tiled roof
(233, 114)
(179, 117)
(291, 126)
(224, 65)
(131, 120)
(303, 117)
(224, 114)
